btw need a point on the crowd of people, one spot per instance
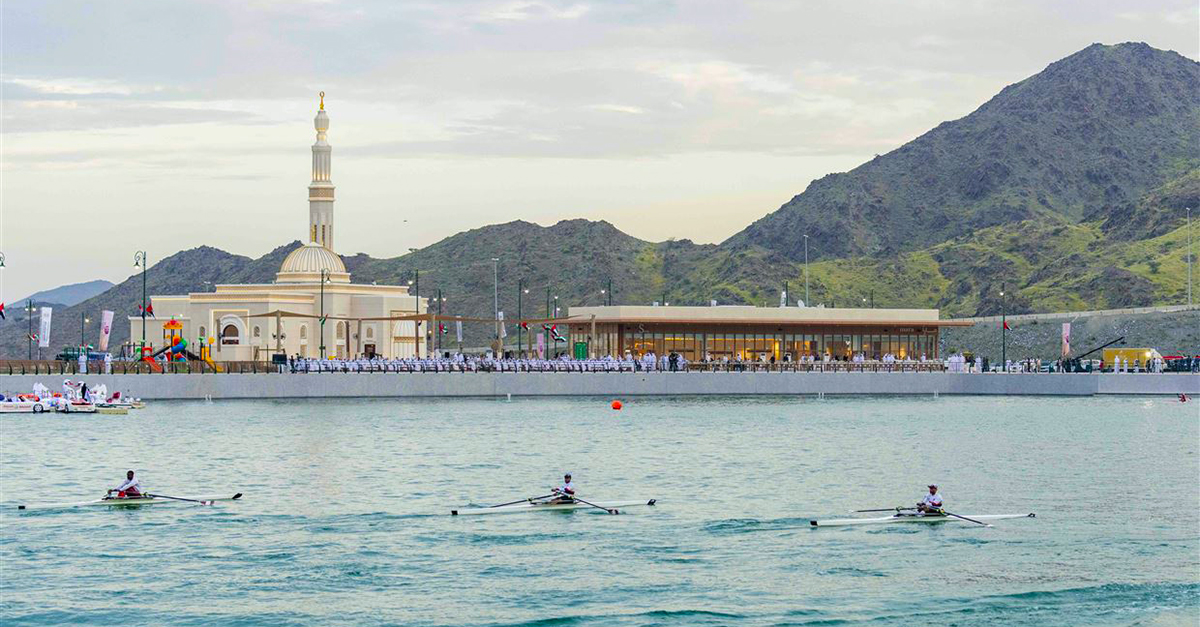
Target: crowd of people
(647, 362)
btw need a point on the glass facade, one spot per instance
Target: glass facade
(699, 341)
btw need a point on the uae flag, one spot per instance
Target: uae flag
(149, 310)
(442, 328)
(553, 329)
(1006, 327)
(2, 311)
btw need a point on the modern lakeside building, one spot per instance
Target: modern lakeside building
(252, 322)
(758, 332)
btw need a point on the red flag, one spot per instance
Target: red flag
(442, 328)
(2, 311)
(525, 326)
(150, 310)
(1006, 326)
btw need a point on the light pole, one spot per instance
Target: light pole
(83, 320)
(496, 302)
(1003, 332)
(806, 303)
(520, 290)
(545, 332)
(29, 309)
(324, 279)
(140, 261)
(1189, 228)
(609, 292)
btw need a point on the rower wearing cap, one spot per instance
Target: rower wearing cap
(566, 491)
(932, 503)
(131, 488)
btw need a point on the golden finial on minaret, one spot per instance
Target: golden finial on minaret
(322, 101)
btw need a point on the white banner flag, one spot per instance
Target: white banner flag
(541, 346)
(1066, 337)
(44, 328)
(106, 318)
(458, 330)
(503, 329)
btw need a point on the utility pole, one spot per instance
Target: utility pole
(82, 325)
(440, 300)
(610, 292)
(1189, 228)
(806, 302)
(417, 339)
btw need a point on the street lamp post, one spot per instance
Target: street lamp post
(806, 303)
(520, 291)
(324, 279)
(496, 303)
(139, 260)
(83, 320)
(1003, 331)
(29, 309)
(609, 293)
(1189, 228)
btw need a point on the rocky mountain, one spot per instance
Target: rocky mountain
(1089, 135)
(69, 294)
(1068, 189)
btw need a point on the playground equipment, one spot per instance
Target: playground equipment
(176, 348)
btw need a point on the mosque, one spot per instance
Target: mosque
(311, 309)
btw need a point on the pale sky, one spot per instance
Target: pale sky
(166, 125)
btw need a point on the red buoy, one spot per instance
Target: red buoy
(616, 405)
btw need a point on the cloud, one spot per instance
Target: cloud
(526, 11)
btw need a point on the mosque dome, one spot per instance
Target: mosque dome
(308, 261)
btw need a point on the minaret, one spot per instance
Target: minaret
(320, 191)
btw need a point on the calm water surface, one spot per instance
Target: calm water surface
(345, 519)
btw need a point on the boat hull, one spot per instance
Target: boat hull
(128, 502)
(547, 507)
(897, 519)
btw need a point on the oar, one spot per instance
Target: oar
(530, 499)
(611, 511)
(966, 519)
(176, 498)
(889, 509)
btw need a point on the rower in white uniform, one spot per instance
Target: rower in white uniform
(932, 503)
(131, 488)
(566, 491)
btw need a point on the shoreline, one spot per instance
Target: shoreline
(611, 384)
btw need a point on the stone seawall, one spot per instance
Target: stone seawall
(385, 385)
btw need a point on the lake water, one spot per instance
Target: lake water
(345, 515)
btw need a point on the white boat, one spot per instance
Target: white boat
(76, 407)
(548, 506)
(22, 406)
(134, 502)
(113, 408)
(913, 518)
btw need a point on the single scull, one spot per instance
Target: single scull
(548, 506)
(134, 502)
(911, 518)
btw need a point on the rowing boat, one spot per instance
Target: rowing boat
(133, 502)
(548, 506)
(911, 518)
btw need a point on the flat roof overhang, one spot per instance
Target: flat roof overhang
(774, 323)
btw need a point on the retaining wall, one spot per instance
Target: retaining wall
(333, 385)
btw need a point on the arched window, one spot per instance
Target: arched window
(370, 333)
(304, 331)
(341, 331)
(257, 332)
(202, 333)
(229, 335)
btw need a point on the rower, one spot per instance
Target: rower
(932, 503)
(565, 492)
(131, 488)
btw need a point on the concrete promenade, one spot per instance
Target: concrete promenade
(616, 385)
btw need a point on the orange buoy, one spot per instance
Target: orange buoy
(616, 405)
